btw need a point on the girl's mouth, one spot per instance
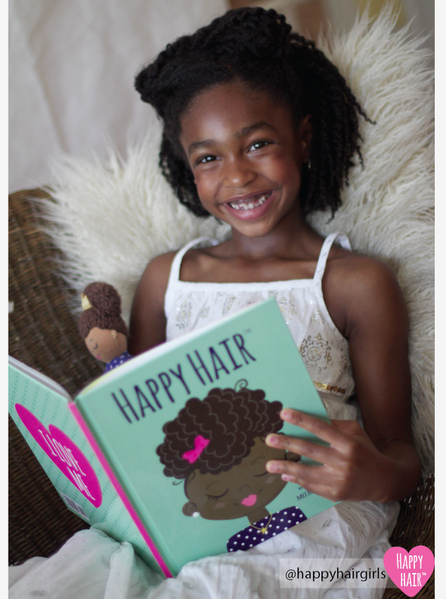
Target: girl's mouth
(251, 206)
(250, 203)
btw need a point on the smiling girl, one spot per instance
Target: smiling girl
(260, 130)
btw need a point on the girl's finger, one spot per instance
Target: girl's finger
(283, 467)
(314, 451)
(315, 479)
(324, 430)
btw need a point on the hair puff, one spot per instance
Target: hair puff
(230, 420)
(105, 310)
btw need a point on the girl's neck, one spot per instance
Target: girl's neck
(289, 238)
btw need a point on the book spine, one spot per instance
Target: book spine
(119, 489)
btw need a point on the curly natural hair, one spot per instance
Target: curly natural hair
(105, 311)
(230, 420)
(258, 48)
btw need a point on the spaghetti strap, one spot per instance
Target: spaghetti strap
(175, 268)
(323, 256)
(319, 273)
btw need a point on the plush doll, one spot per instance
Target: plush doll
(101, 325)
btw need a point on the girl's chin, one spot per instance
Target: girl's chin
(253, 230)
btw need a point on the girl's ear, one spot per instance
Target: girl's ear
(189, 508)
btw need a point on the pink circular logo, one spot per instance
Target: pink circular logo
(65, 454)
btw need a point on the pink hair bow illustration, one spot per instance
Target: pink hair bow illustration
(193, 454)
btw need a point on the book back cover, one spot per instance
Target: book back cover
(39, 408)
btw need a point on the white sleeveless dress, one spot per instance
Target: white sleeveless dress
(93, 566)
(189, 306)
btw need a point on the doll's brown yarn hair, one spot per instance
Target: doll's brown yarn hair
(105, 311)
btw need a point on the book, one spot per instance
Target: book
(167, 450)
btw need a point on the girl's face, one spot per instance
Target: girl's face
(237, 492)
(245, 155)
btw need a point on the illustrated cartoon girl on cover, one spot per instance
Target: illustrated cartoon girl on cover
(217, 445)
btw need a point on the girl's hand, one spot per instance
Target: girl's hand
(351, 469)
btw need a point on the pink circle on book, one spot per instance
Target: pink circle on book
(65, 454)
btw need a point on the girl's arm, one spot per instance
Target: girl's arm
(148, 321)
(377, 463)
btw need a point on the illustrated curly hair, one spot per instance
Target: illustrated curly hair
(230, 420)
(258, 48)
(105, 311)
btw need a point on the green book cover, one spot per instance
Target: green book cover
(180, 431)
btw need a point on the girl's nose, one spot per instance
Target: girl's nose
(238, 173)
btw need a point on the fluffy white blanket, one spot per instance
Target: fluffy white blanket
(111, 217)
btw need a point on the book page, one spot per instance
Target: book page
(39, 377)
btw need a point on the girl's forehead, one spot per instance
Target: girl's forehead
(234, 105)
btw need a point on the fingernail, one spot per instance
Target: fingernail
(285, 414)
(272, 440)
(273, 467)
(287, 478)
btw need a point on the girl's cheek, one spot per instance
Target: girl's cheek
(220, 504)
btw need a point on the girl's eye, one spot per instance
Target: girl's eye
(205, 159)
(215, 497)
(263, 474)
(257, 145)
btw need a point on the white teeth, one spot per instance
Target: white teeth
(241, 205)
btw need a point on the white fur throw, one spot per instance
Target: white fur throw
(111, 217)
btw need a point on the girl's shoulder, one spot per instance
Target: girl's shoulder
(153, 284)
(158, 269)
(356, 273)
(147, 320)
(361, 289)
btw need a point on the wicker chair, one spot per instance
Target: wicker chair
(43, 334)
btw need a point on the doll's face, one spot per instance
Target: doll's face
(105, 344)
(237, 492)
